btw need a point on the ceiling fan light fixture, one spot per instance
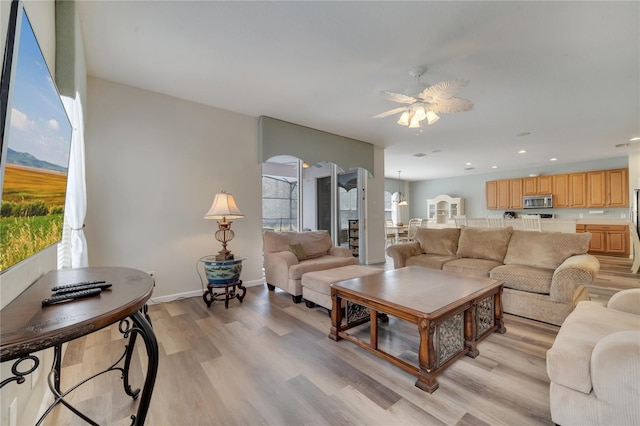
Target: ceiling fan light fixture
(404, 119)
(420, 113)
(432, 117)
(415, 122)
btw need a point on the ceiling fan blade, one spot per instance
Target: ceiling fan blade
(390, 112)
(397, 97)
(452, 105)
(443, 90)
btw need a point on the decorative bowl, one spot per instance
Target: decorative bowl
(220, 272)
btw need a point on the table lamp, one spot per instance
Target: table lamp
(224, 208)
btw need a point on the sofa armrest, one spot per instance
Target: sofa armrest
(340, 252)
(276, 267)
(615, 376)
(576, 270)
(401, 252)
(626, 301)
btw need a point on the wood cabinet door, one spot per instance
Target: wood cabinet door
(560, 190)
(617, 188)
(515, 193)
(598, 240)
(577, 190)
(544, 184)
(503, 194)
(596, 193)
(529, 186)
(616, 242)
(491, 194)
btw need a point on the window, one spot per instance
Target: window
(280, 194)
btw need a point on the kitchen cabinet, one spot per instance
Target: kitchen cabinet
(617, 187)
(515, 193)
(608, 188)
(491, 194)
(544, 184)
(560, 190)
(577, 193)
(537, 185)
(612, 240)
(504, 194)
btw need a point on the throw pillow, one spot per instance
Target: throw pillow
(484, 243)
(298, 251)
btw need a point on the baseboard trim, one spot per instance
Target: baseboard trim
(194, 293)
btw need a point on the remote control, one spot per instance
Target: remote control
(63, 286)
(82, 287)
(58, 298)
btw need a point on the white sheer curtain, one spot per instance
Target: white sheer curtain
(72, 251)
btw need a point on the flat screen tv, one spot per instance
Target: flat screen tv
(35, 141)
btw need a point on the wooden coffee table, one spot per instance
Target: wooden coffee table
(453, 313)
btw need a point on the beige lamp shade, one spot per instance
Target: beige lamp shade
(224, 207)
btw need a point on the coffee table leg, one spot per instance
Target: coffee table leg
(373, 324)
(498, 317)
(426, 357)
(336, 315)
(470, 327)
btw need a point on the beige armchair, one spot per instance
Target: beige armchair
(594, 364)
(289, 255)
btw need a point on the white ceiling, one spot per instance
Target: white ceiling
(567, 73)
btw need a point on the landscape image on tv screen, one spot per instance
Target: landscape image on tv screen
(37, 135)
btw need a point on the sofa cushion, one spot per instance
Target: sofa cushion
(484, 243)
(319, 264)
(314, 243)
(569, 359)
(544, 249)
(475, 267)
(438, 241)
(433, 261)
(321, 281)
(525, 278)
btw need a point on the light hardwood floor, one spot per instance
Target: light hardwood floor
(269, 361)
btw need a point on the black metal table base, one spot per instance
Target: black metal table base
(231, 291)
(130, 327)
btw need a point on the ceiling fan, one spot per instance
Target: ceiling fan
(426, 101)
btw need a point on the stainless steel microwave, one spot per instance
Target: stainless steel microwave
(537, 201)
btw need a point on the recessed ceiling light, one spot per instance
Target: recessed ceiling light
(553, 159)
(637, 138)
(522, 151)
(494, 167)
(467, 164)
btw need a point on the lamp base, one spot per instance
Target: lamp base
(224, 256)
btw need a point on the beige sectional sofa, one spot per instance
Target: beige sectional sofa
(544, 273)
(289, 255)
(594, 364)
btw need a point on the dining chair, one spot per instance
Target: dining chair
(531, 222)
(460, 220)
(414, 224)
(389, 234)
(495, 221)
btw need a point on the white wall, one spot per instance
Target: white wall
(154, 164)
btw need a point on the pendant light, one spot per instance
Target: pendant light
(401, 201)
